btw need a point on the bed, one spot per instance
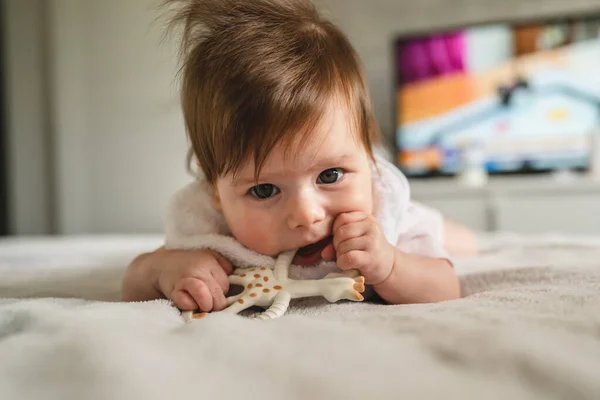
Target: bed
(527, 327)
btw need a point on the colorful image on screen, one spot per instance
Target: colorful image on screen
(527, 96)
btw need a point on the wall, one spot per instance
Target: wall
(118, 143)
(120, 139)
(27, 152)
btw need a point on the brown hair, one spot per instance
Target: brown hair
(255, 72)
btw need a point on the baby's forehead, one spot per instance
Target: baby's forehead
(325, 142)
(307, 160)
(281, 166)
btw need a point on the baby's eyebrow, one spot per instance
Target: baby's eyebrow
(241, 181)
(322, 164)
(264, 178)
(331, 162)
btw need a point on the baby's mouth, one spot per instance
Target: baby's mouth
(311, 254)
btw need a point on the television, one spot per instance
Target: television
(526, 95)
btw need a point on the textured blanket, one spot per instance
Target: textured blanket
(528, 327)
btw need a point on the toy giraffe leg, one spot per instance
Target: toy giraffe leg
(232, 299)
(279, 307)
(187, 315)
(242, 302)
(233, 306)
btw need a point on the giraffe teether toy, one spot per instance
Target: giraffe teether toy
(273, 289)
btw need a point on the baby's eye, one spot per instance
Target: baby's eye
(331, 175)
(264, 191)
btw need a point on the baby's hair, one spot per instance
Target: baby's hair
(255, 73)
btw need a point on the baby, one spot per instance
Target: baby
(282, 129)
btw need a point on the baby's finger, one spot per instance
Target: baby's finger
(357, 243)
(349, 231)
(354, 259)
(328, 253)
(199, 292)
(221, 277)
(184, 301)
(224, 263)
(217, 295)
(348, 218)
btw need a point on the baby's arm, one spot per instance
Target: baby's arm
(139, 280)
(459, 240)
(422, 270)
(419, 279)
(192, 279)
(416, 270)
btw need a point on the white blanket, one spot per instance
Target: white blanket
(528, 327)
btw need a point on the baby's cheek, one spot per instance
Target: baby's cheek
(255, 233)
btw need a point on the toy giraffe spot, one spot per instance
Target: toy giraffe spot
(242, 275)
(198, 315)
(263, 268)
(266, 290)
(249, 286)
(259, 285)
(266, 278)
(253, 294)
(277, 287)
(257, 276)
(241, 301)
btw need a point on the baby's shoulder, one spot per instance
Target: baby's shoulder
(191, 212)
(390, 183)
(392, 192)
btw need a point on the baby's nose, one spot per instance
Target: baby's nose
(305, 211)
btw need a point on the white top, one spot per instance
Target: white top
(192, 222)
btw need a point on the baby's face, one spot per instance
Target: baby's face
(299, 197)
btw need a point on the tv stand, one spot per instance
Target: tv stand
(521, 204)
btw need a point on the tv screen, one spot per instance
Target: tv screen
(526, 95)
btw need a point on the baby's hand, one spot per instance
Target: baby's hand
(360, 244)
(195, 279)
